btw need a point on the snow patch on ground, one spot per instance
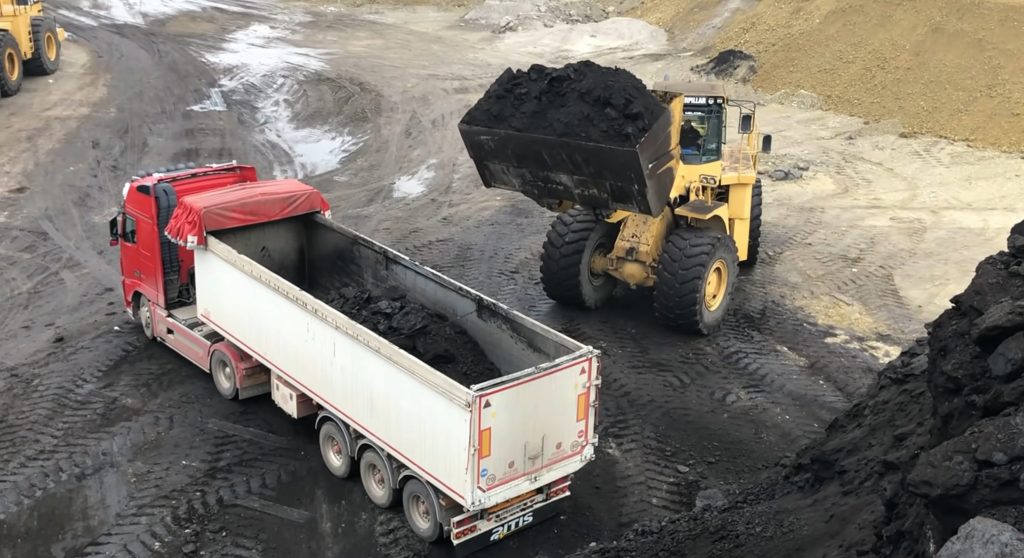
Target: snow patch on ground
(138, 12)
(412, 185)
(214, 104)
(265, 69)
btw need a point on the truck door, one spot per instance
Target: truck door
(139, 256)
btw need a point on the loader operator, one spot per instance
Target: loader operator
(689, 138)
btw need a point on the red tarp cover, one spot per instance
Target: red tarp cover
(240, 205)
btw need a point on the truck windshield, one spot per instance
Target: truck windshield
(709, 122)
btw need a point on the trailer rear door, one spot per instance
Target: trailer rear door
(534, 426)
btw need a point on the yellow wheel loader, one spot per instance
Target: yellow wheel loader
(30, 43)
(679, 213)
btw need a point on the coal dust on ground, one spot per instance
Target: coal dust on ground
(426, 335)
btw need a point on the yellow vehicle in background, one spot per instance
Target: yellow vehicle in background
(30, 43)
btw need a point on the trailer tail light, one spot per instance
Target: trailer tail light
(559, 487)
(470, 519)
(560, 482)
(463, 533)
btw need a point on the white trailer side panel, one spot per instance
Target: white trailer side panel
(419, 416)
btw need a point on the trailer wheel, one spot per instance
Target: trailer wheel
(334, 450)
(223, 372)
(374, 473)
(420, 511)
(146, 318)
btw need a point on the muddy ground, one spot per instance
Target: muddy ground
(115, 446)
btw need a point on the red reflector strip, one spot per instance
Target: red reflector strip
(581, 407)
(485, 443)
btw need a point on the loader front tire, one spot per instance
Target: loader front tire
(573, 240)
(754, 242)
(695, 280)
(11, 71)
(45, 60)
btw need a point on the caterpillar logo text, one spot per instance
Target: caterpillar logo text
(508, 528)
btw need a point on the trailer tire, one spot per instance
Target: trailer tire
(374, 473)
(223, 372)
(146, 318)
(421, 511)
(334, 450)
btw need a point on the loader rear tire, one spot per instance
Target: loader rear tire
(695, 280)
(754, 242)
(45, 60)
(574, 238)
(11, 71)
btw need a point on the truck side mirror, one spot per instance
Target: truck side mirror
(766, 143)
(746, 123)
(115, 235)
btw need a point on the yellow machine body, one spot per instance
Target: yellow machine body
(716, 194)
(16, 19)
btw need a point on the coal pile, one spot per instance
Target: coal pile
(937, 442)
(426, 335)
(729, 64)
(583, 101)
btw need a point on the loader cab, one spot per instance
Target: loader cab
(704, 106)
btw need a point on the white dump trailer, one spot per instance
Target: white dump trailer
(473, 463)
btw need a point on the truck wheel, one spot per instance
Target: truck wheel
(223, 372)
(146, 317)
(335, 451)
(420, 511)
(574, 239)
(46, 59)
(10, 65)
(695, 280)
(754, 243)
(374, 473)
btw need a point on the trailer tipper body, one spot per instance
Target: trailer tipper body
(225, 273)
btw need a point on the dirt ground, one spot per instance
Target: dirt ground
(941, 67)
(115, 446)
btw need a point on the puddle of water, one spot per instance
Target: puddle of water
(64, 521)
(412, 185)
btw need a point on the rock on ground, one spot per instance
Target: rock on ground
(984, 538)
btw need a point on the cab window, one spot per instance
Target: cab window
(709, 124)
(129, 229)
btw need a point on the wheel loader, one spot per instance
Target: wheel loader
(678, 216)
(30, 43)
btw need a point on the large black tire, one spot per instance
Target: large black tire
(373, 472)
(572, 241)
(754, 243)
(11, 71)
(223, 372)
(420, 511)
(695, 280)
(45, 60)
(335, 451)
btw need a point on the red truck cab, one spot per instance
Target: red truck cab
(164, 217)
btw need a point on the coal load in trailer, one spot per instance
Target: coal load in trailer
(583, 101)
(426, 335)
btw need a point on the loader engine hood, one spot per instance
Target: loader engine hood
(240, 205)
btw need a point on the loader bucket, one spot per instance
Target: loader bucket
(545, 168)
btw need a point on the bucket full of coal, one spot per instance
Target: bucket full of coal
(583, 133)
